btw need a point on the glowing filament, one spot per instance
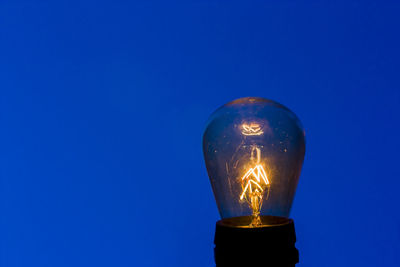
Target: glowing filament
(254, 183)
(257, 177)
(251, 129)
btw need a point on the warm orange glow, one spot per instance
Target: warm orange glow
(257, 177)
(254, 183)
(251, 129)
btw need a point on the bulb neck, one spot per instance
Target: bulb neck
(272, 244)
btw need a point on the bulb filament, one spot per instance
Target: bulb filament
(251, 129)
(254, 183)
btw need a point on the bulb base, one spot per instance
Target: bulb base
(272, 244)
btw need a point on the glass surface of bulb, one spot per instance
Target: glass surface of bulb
(254, 150)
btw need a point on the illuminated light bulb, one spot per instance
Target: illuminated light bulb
(254, 149)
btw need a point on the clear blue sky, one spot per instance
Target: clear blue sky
(103, 106)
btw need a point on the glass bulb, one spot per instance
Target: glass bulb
(254, 150)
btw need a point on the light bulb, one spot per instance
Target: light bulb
(254, 150)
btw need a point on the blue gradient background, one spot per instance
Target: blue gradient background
(103, 106)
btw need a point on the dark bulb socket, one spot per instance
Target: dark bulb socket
(270, 245)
